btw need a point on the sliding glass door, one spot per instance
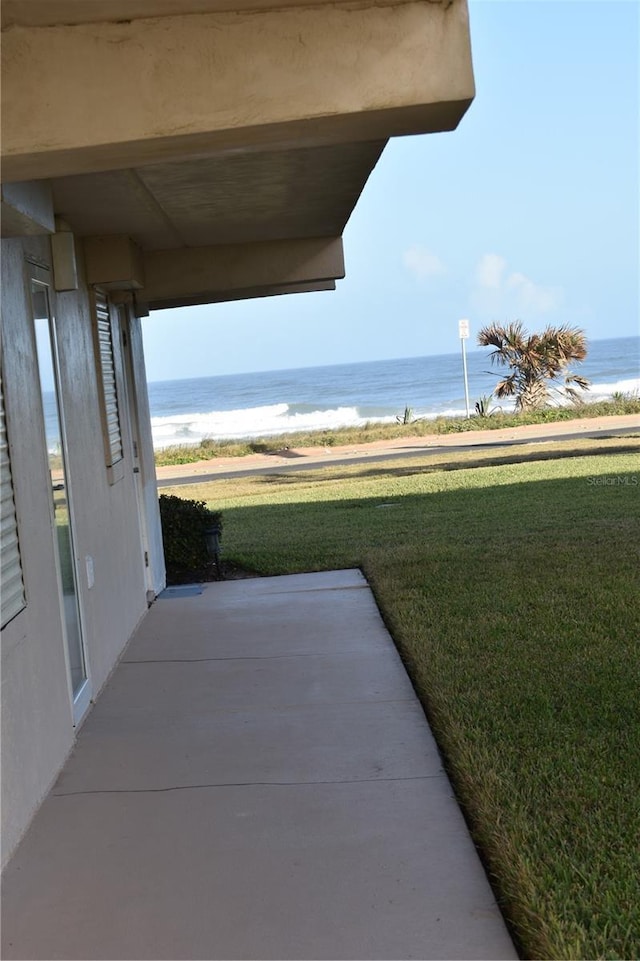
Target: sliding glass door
(53, 410)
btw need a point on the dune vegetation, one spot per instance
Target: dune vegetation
(420, 427)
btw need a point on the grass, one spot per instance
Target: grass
(209, 449)
(511, 589)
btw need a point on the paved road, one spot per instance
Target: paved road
(312, 463)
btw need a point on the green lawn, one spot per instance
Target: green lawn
(512, 591)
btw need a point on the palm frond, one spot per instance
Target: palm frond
(573, 395)
(579, 381)
(506, 387)
(508, 341)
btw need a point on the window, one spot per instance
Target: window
(12, 597)
(108, 388)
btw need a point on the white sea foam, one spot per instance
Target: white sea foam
(602, 391)
(272, 419)
(250, 422)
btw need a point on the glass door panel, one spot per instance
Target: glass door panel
(46, 346)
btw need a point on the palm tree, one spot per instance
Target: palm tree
(536, 361)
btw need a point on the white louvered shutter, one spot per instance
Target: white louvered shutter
(106, 362)
(11, 582)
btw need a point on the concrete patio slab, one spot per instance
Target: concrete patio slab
(273, 806)
(289, 745)
(233, 684)
(197, 627)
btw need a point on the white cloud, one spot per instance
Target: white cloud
(510, 293)
(532, 296)
(490, 270)
(422, 262)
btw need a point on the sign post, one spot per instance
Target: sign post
(463, 333)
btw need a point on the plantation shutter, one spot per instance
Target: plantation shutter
(107, 371)
(12, 594)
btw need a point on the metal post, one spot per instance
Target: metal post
(466, 384)
(463, 330)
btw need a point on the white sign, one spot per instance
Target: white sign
(463, 329)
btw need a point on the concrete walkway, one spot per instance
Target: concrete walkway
(257, 781)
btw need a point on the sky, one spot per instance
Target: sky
(529, 210)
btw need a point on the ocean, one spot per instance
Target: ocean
(316, 398)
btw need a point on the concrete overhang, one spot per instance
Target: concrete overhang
(237, 199)
(127, 94)
(50, 13)
(193, 124)
(247, 293)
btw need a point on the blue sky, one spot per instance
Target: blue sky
(529, 210)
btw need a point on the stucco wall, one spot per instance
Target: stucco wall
(37, 730)
(37, 726)
(147, 460)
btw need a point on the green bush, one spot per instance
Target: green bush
(184, 523)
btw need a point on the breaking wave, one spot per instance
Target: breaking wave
(282, 418)
(253, 422)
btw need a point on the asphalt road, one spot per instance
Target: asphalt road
(396, 454)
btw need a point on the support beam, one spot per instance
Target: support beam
(114, 262)
(248, 293)
(118, 95)
(26, 209)
(192, 275)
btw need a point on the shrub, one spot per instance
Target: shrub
(407, 417)
(483, 406)
(184, 523)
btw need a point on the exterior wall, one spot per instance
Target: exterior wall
(37, 723)
(37, 730)
(147, 459)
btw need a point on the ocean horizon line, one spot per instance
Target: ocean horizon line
(476, 351)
